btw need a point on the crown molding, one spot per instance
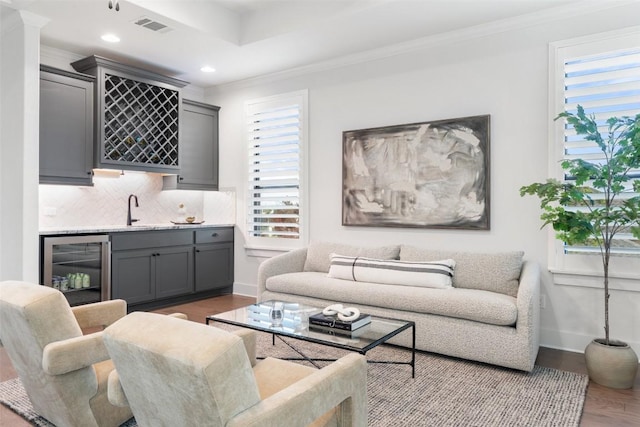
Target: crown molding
(24, 18)
(56, 56)
(524, 21)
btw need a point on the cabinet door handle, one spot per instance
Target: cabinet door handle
(180, 178)
(197, 250)
(214, 235)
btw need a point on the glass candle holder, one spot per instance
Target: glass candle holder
(276, 314)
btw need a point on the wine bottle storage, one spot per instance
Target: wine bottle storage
(140, 122)
(138, 116)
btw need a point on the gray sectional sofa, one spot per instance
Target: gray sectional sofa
(491, 313)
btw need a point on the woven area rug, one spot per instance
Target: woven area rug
(445, 391)
(13, 396)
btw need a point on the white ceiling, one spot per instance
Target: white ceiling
(247, 38)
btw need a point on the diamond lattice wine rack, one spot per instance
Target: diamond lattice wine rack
(138, 116)
(141, 122)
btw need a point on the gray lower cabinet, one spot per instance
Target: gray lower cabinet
(174, 271)
(151, 268)
(214, 258)
(66, 127)
(151, 265)
(198, 149)
(133, 276)
(214, 266)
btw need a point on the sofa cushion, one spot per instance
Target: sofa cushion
(471, 304)
(436, 274)
(496, 272)
(319, 254)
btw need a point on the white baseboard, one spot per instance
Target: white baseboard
(245, 289)
(575, 342)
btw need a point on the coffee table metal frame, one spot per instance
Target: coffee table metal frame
(256, 317)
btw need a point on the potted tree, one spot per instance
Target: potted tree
(598, 189)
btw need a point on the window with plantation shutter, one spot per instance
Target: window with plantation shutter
(602, 74)
(276, 136)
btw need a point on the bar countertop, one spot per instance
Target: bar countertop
(104, 229)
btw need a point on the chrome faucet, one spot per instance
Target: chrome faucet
(129, 219)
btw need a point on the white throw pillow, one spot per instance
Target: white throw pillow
(431, 274)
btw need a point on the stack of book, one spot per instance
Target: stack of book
(332, 323)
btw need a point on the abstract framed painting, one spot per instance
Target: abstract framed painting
(428, 175)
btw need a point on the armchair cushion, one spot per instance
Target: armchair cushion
(342, 384)
(274, 375)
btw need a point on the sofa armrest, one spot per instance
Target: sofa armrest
(99, 314)
(62, 357)
(342, 384)
(528, 304)
(290, 262)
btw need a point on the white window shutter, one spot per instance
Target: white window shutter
(602, 74)
(605, 84)
(275, 138)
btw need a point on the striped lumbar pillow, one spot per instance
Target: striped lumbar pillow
(432, 274)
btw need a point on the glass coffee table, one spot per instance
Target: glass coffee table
(294, 323)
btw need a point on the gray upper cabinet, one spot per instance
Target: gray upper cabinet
(66, 127)
(198, 149)
(138, 116)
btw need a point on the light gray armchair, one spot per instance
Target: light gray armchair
(64, 372)
(174, 373)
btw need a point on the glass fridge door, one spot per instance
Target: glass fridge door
(78, 266)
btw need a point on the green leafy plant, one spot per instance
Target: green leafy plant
(597, 187)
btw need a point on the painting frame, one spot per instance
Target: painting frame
(432, 174)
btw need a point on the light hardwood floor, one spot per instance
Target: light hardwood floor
(603, 406)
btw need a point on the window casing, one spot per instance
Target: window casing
(601, 73)
(276, 135)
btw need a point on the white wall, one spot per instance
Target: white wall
(502, 73)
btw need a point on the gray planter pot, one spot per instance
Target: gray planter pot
(614, 365)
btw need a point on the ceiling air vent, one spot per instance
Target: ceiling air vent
(152, 25)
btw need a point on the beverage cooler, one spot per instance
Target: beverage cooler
(79, 266)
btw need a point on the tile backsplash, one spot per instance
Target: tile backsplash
(106, 202)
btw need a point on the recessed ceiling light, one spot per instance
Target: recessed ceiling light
(111, 38)
(207, 69)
